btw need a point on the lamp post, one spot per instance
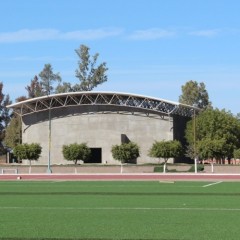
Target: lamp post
(49, 140)
(49, 129)
(194, 139)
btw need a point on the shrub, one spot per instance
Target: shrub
(166, 149)
(75, 152)
(126, 152)
(28, 151)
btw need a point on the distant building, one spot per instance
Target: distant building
(100, 119)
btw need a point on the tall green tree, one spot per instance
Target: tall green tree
(194, 93)
(48, 78)
(215, 124)
(5, 116)
(13, 135)
(35, 88)
(89, 75)
(166, 149)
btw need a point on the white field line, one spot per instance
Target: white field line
(121, 208)
(58, 181)
(211, 184)
(165, 181)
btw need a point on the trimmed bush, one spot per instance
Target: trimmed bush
(75, 152)
(28, 151)
(126, 152)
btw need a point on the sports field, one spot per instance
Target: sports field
(119, 210)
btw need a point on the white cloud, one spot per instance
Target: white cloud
(40, 59)
(27, 35)
(91, 34)
(206, 33)
(151, 34)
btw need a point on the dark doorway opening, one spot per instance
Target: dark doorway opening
(125, 139)
(96, 155)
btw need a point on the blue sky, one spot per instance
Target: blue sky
(151, 47)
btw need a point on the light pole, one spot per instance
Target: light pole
(49, 140)
(194, 139)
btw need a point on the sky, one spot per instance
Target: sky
(151, 47)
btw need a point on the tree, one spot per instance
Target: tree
(21, 98)
(166, 149)
(63, 87)
(13, 135)
(5, 116)
(28, 151)
(236, 153)
(126, 152)
(48, 78)
(215, 124)
(194, 93)
(75, 152)
(238, 116)
(35, 88)
(88, 73)
(211, 149)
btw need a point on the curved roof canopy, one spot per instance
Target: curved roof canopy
(130, 101)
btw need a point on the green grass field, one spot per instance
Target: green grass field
(119, 210)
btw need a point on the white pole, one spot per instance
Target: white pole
(195, 164)
(194, 139)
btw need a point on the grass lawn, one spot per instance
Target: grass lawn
(119, 210)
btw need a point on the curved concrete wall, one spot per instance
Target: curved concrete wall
(98, 126)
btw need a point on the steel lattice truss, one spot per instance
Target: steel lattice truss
(129, 101)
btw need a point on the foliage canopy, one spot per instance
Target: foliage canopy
(48, 78)
(166, 149)
(126, 152)
(75, 152)
(13, 134)
(214, 128)
(89, 75)
(236, 153)
(195, 94)
(5, 115)
(35, 88)
(28, 151)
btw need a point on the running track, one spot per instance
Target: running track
(122, 177)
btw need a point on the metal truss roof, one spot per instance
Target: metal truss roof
(132, 103)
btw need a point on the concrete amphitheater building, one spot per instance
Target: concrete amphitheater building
(100, 119)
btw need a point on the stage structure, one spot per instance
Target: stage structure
(100, 119)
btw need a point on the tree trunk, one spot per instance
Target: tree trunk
(165, 166)
(121, 167)
(30, 167)
(212, 166)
